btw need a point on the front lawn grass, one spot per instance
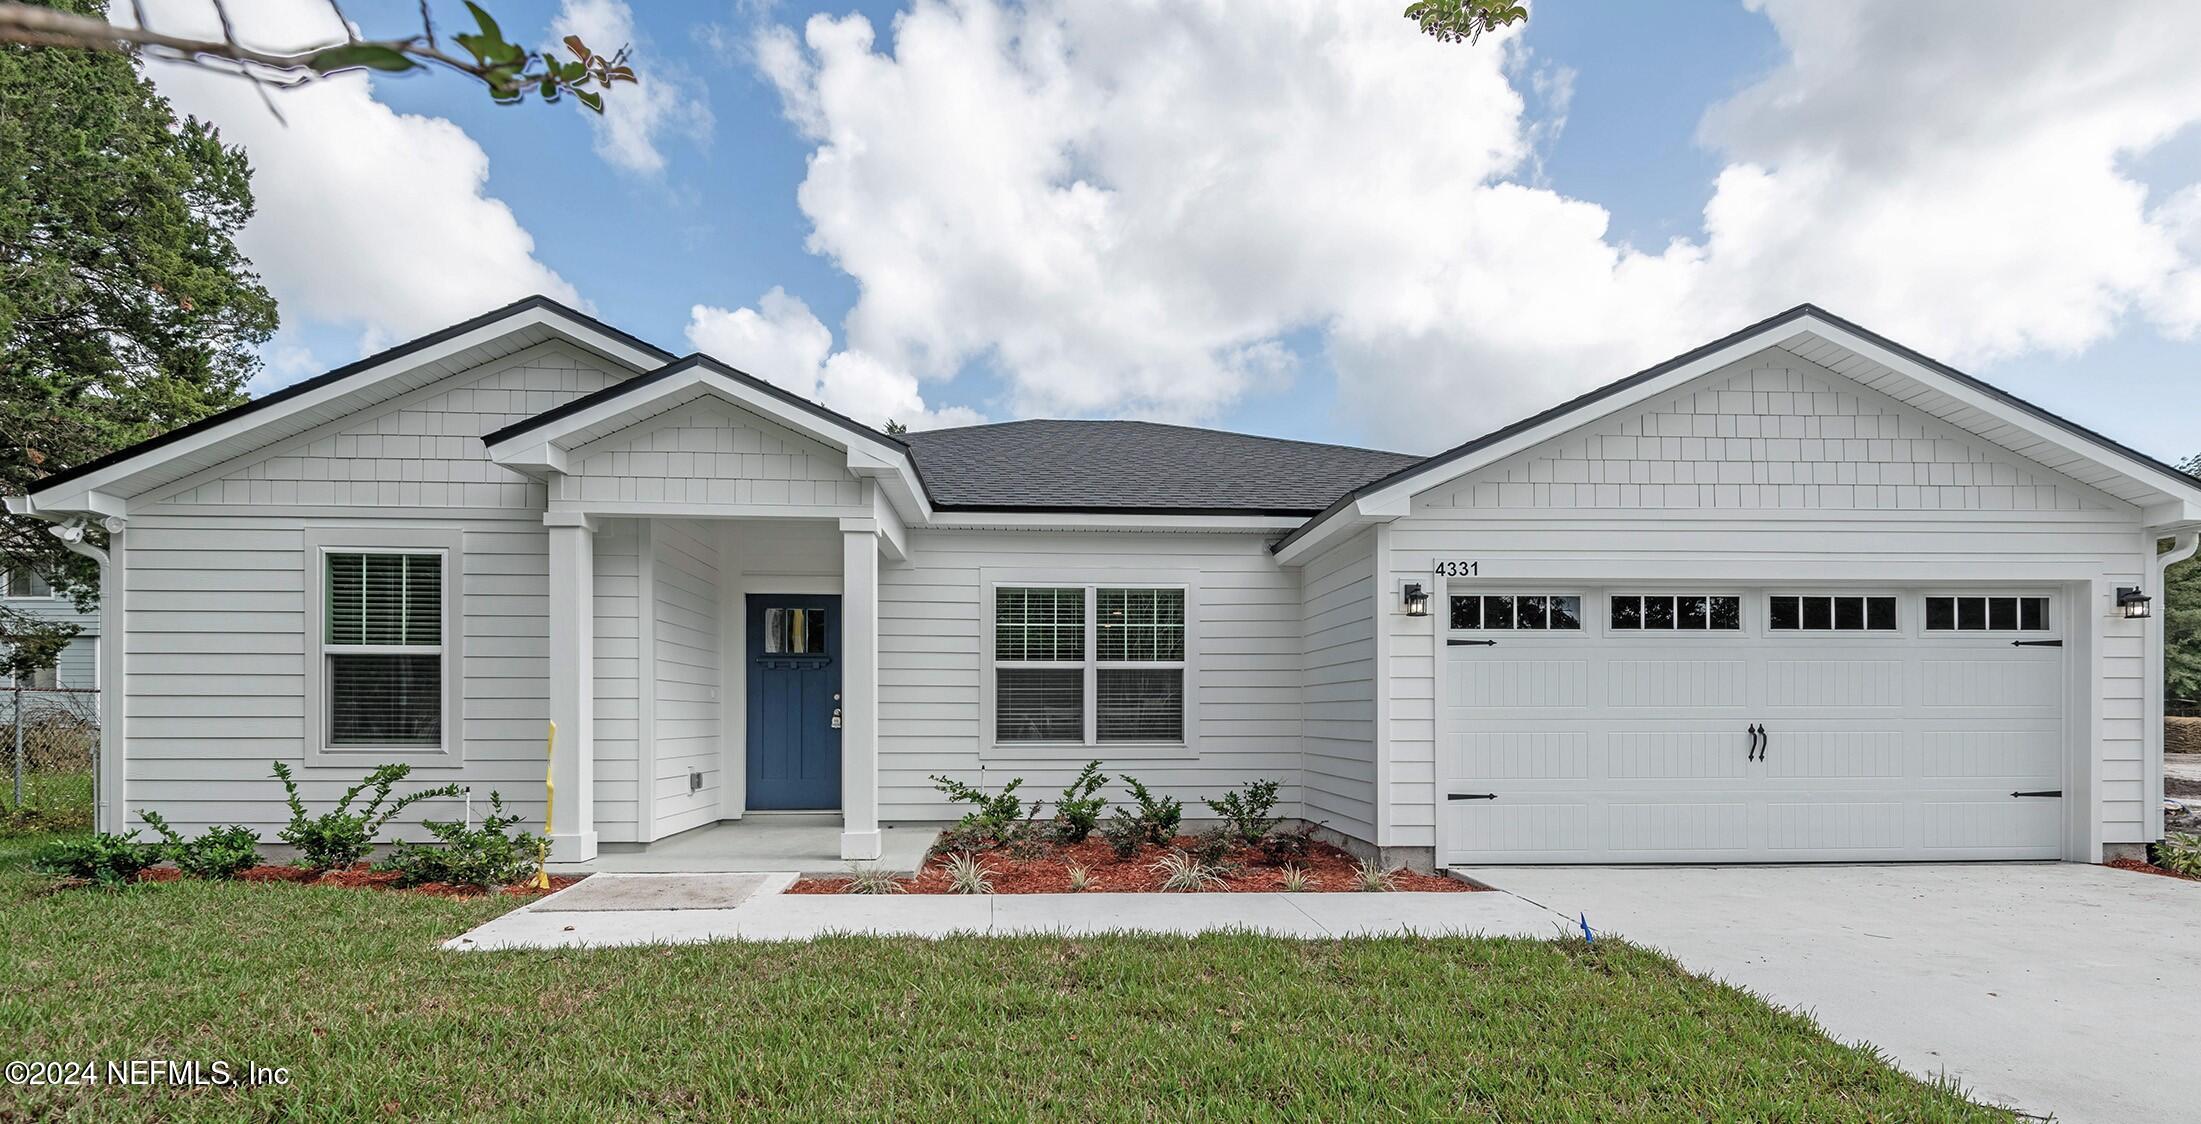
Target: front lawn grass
(347, 990)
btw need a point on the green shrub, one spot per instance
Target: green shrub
(1247, 812)
(106, 860)
(484, 857)
(1162, 815)
(958, 839)
(998, 817)
(338, 838)
(1126, 832)
(1281, 847)
(1213, 846)
(1079, 810)
(221, 853)
(2180, 854)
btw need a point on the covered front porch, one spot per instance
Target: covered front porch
(793, 842)
(713, 556)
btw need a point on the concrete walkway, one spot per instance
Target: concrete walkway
(772, 915)
(2052, 988)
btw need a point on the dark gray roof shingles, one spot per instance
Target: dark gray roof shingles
(1137, 466)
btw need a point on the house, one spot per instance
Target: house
(27, 591)
(1799, 594)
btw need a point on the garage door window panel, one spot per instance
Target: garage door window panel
(1516, 612)
(1844, 612)
(1987, 613)
(1676, 612)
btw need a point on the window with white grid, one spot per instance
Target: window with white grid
(382, 640)
(1089, 664)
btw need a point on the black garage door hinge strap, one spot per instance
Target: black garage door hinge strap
(1471, 796)
(1471, 643)
(2042, 792)
(2036, 643)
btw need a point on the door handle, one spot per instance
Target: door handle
(836, 718)
(1755, 733)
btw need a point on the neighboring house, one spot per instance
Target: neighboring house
(26, 591)
(1799, 594)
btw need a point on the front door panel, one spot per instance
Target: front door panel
(794, 697)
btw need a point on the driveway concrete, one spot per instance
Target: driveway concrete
(2050, 988)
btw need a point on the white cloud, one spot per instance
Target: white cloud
(366, 217)
(782, 342)
(1125, 212)
(662, 100)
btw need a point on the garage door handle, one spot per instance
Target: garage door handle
(2036, 643)
(1471, 796)
(1756, 731)
(1471, 643)
(2042, 792)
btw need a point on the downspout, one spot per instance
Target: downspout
(2184, 544)
(107, 776)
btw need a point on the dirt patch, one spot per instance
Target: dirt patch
(1329, 870)
(365, 877)
(2182, 735)
(2149, 868)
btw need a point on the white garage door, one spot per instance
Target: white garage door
(1606, 726)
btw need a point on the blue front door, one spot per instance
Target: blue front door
(794, 702)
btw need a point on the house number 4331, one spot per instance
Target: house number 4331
(1459, 569)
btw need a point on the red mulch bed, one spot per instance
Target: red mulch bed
(1329, 870)
(2148, 868)
(364, 877)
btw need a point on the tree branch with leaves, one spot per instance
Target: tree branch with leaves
(508, 70)
(1463, 21)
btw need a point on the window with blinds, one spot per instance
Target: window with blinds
(1078, 665)
(383, 640)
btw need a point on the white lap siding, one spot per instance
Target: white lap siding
(217, 675)
(1339, 707)
(1771, 472)
(685, 674)
(930, 664)
(217, 577)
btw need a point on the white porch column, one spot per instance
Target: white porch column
(573, 685)
(859, 689)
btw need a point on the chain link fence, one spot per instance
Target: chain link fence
(51, 743)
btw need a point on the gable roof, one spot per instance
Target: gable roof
(641, 386)
(1135, 466)
(1818, 336)
(530, 321)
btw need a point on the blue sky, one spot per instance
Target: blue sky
(1613, 113)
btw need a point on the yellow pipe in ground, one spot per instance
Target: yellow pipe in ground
(541, 881)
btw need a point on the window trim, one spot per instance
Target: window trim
(1090, 746)
(1581, 612)
(1907, 607)
(320, 542)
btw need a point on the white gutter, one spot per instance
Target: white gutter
(107, 778)
(2184, 544)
